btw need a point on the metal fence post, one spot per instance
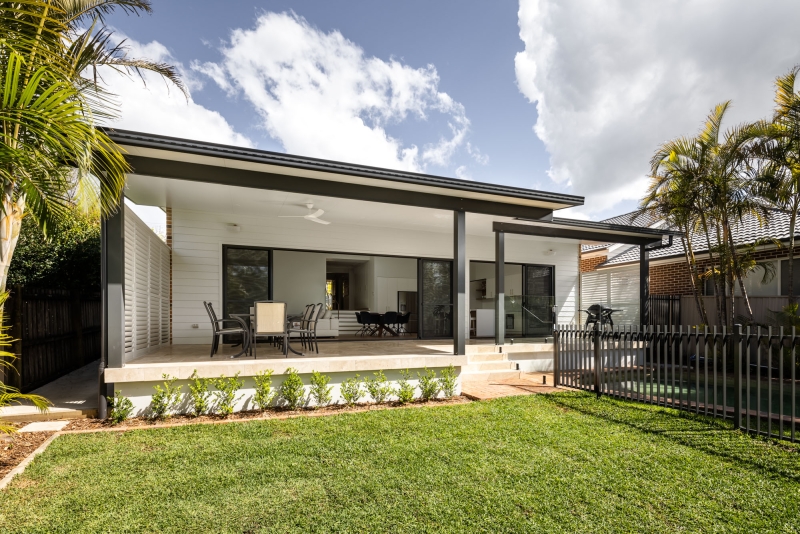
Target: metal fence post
(736, 353)
(597, 357)
(556, 357)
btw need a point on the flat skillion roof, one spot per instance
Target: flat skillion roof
(170, 157)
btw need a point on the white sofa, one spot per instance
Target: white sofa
(327, 325)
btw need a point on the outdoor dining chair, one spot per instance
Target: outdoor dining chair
(361, 323)
(218, 330)
(308, 329)
(366, 320)
(269, 319)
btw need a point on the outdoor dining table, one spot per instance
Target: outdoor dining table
(251, 317)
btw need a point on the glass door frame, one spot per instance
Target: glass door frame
(270, 272)
(421, 298)
(525, 291)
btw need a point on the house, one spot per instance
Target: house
(610, 270)
(477, 264)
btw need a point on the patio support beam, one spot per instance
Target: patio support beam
(644, 285)
(112, 274)
(499, 288)
(459, 282)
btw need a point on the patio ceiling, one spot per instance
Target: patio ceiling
(200, 162)
(265, 206)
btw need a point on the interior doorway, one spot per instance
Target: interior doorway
(337, 290)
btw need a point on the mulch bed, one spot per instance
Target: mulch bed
(88, 425)
(21, 445)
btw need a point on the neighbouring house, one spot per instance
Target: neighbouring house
(481, 271)
(610, 272)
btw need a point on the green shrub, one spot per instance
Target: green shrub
(198, 394)
(405, 390)
(264, 393)
(320, 390)
(448, 380)
(165, 399)
(225, 395)
(428, 385)
(378, 387)
(292, 392)
(351, 390)
(120, 407)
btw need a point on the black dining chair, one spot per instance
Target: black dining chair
(361, 323)
(219, 330)
(390, 320)
(375, 319)
(366, 320)
(402, 322)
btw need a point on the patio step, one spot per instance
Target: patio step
(488, 376)
(487, 357)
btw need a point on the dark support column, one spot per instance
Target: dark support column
(644, 285)
(459, 282)
(499, 288)
(113, 289)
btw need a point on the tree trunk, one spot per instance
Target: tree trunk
(740, 276)
(792, 223)
(719, 295)
(10, 225)
(686, 240)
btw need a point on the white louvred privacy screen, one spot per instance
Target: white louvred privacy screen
(618, 288)
(146, 288)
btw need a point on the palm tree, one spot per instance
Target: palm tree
(51, 102)
(779, 151)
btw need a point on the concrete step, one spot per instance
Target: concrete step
(487, 357)
(488, 366)
(489, 376)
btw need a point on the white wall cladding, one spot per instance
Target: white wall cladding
(146, 288)
(618, 288)
(197, 239)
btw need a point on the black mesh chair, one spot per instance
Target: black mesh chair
(308, 329)
(366, 320)
(219, 330)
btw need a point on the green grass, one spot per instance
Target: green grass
(564, 462)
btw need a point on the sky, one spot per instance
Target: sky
(571, 96)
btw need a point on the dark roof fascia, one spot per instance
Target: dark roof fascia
(588, 230)
(161, 142)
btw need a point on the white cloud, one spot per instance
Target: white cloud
(320, 95)
(476, 154)
(463, 173)
(613, 79)
(158, 107)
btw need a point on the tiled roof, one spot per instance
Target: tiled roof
(634, 218)
(748, 231)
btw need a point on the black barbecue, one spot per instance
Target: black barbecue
(601, 313)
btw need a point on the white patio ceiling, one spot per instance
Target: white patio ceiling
(269, 204)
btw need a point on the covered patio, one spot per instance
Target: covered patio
(246, 225)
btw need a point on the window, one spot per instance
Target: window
(246, 278)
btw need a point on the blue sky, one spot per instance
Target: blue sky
(569, 96)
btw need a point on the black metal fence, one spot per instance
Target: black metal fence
(55, 331)
(748, 375)
(665, 310)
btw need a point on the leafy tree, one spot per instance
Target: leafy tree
(52, 101)
(68, 258)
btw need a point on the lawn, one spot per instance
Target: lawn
(564, 462)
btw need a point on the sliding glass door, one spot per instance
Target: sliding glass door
(538, 300)
(246, 278)
(436, 299)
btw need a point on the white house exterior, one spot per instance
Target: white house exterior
(385, 227)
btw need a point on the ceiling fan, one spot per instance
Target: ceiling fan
(314, 217)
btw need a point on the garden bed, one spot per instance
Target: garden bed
(13, 452)
(276, 413)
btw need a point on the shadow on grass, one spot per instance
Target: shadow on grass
(709, 435)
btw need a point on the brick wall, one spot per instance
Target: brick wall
(589, 264)
(673, 278)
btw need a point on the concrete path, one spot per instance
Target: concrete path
(484, 387)
(74, 396)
